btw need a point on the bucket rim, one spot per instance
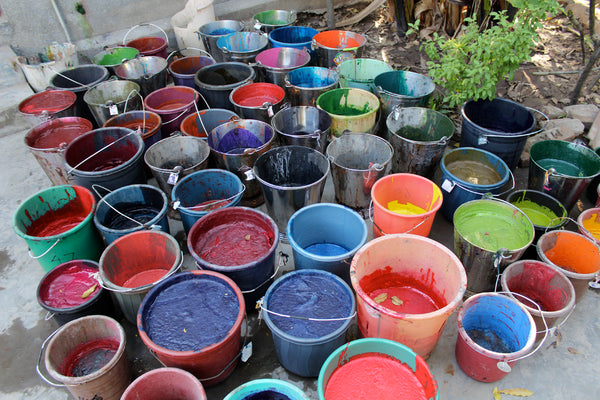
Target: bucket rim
(227, 87)
(167, 372)
(125, 84)
(270, 383)
(201, 142)
(115, 120)
(373, 101)
(424, 111)
(566, 146)
(372, 61)
(228, 114)
(208, 171)
(180, 60)
(570, 274)
(263, 42)
(131, 52)
(178, 88)
(434, 208)
(491, 132)
(303, 55)
(222, 23)
(64, 74)
(383, 91)
(320, 71)
(281, 114)
(340, 32)
(162, 63)
(523, 193)
(368, 136)
(291, 14)
(282, 29)
(55, 121)
(258, 86)
(469, 185)
(240, 123)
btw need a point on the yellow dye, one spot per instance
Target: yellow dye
(405, 208)
(592, 225)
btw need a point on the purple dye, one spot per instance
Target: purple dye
(237, 140)
(266, 395)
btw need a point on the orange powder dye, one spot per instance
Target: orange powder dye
(574, 253)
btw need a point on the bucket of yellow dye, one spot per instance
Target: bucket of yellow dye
(404, 203)
(589, 224)
(488, 235)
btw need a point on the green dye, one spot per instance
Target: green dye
(117, 57)
(538, 214)
(339, 106)
(561, 167)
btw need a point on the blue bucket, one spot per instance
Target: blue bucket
(304, 85)
(457, 191)
(218, 187)
(326, 236)
(145, 204)
(298, 37)
(262, 388)
(312, 298)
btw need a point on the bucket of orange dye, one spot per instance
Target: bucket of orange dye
(575, 255)
(406, 286)
(336, 46)
(135, 263)
(404, 203)
(357, 369)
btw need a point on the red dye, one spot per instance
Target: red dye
(174, 104)
(145, 277)
(55, 222)
(535, 284)
(89, 357)
(68, 287)
(58, 135)
(134, 125)
(108, 163)
(373, 376)
(52, 102)
(258, 100)
(210, 205)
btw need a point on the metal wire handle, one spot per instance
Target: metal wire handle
(177, 203)
(38, 368)
(189, 48)
(145, 24)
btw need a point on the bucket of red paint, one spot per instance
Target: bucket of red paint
(238, 242)
(304, 85)
(193, 321)
(184, 69)
(87, 356)
(49, 104)
(356, 370)
(165, 383)
(71, 290)
(56, 223)
(148, 45)
(258, 100)
(215, 82)
(493, 332)
(47, 142)
(135, 263)
(575, 255)
(406, 286)
(173, 104)
(200, 123)
(402, 192)
(148, 122)
(274, 64)
(335, 46)
(263, 388)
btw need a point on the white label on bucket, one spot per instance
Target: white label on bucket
(247, 352)
(447, 185)
(113, 110)
(482, 140)
(173, 178)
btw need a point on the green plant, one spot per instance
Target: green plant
(470, 65)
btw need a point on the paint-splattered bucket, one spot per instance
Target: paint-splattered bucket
(193, 321)
(47, 142)
(49, 104)
(358, 160)
(165, 383)
(148, 45)
(575, 255)
(184, 69)
(113, 97)
(326, 236)
(204, 191)
(419, 137)
(351, 109)
(212, 31)
(260, 100)
(305, 336)
(266, 387)
(335, 46)
(56, 223)
(361, 72)
(297, 37)
(562, 169)
(148, 122)
(112, 57)
(304, 85)
(149, 72)
(398, 264)
(489, 235)
(173, 104)
(215, 82)
(269, 20)
(404, 203)
(94, 343)
(403, 89)
(274, 64)
(135, 263)
(494, 331)
(204, 121)
(302, 125)
(242, 46)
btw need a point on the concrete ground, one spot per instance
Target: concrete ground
(569, 370)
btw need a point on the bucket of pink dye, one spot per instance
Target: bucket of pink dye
(274, 64)
(49, 104)
(173, 104)
(258, 100)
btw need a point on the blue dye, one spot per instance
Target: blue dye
(308, 78)
(266, 395)
(326, 249)
(221, 32)
(192, 314)
(238, 139)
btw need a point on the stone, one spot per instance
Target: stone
(556, 129)
(586, 113)
(553, 112)
(594, 133)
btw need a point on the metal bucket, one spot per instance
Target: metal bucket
(215, 82)
(358, 160)
(274, 64)
(184, 69)
(360, 73)
(302, 125)
(298, 37)
(200, 123)
(211, 32)
(258, 100)
(149, 72)
(269, 20)
(147, 122)
(304, 85)
(49, 104)
(242, 46)
(173, 104)
(110, 98)
(336, 46)
(149, 45)
(404, 89)
(419, 137)
(112, 57)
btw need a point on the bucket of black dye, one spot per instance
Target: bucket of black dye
(266, 389)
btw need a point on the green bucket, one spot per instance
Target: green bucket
(56, 223)
(361, 72)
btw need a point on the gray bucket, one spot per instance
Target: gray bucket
(211, 32)
(149, 72)
(419, 137)
(358, 160)
(404, 89)
(112, 97)
(242, 46)
(304, 85)
(215, 82)
(303, 126)
(274, 64)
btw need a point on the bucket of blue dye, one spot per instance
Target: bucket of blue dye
(468, 174)
(298, 37)
(403, 89)
(129, 209)
(260, 389)
(204, 191)
(308, 312)
(325, 236)
(210, 32)
(304, 85)
(242, 46)
(216, 81)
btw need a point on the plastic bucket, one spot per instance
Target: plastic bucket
(71, 291)
(269, 20)
(148, 122)
(39, 74)
(184, 69)
(111, 98)
(468, 174)
(149, 72)
(266, 387)
(129, 209)
(47, 142)
(215, 82)
(274, 64)
(302, 125)
(112, 57)
(407, 193)
(173, 158)
(49, 104)
(212, 31)
(492, 328)
(562, 169)
(290, 178)
(400, 263)
(193, 321)
(198, 124)
(173, 104)
(56, 223)
(401, 362)
(133, 264)
(219, 242)
(403, 89)
(361, 72)
(351, 109)
(303, 345)
(304, 85)
(326, 236)
(419, 137)
(489, 235)
(242, 46)
(84, 345)
(575, 255)
(297, 37)
(358, 160)
(588, 224)
(257, 100)
(204, 191)
(165, 383)
(335, 46)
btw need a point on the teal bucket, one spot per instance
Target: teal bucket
(404, 89)
(361, 72)
(262, 388)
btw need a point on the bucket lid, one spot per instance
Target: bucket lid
(48, 102)
(69, 286)
(57, 133)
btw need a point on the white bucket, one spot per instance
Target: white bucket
(187, 21)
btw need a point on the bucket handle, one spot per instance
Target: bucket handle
(448, 186)
(129, 96)
(189, 48)
(381, 230)
(483, 138)
(44, 253)
(174, 119)
(200, 116)
(38, 366)
(177, 203)
(145, 24)
(260, 305)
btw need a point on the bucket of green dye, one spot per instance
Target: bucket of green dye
(351, 109)
(112, 57)
(269, 20)
(361, 72)
(562, 169)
